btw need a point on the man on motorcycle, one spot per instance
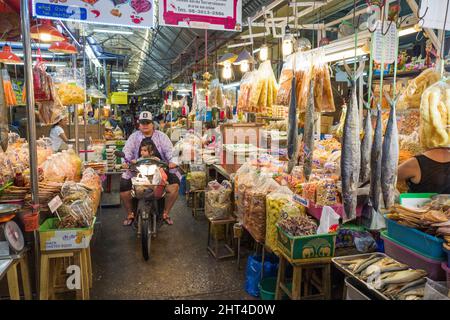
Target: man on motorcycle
(163, 150)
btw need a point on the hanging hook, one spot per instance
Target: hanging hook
(420, 23)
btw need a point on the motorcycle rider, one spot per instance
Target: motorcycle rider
(163, 150)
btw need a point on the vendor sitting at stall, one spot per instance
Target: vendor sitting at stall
(163, 150)
(57, 135)
(428, 172)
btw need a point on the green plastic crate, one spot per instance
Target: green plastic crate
(304, 248)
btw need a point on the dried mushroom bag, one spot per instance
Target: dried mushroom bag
(435, 116)
(411, 97)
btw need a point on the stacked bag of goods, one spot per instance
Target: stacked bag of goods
(306, 67)
(218, 200)
(258, 90)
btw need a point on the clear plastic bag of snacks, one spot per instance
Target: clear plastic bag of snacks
(255, 215)
(326, 193)
(218, 201)
(70, 86)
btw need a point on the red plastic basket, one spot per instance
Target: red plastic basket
(31, 222)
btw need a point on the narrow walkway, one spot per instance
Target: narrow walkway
(179, 267)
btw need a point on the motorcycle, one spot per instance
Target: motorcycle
(150, 199)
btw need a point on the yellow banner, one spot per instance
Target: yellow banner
(119, 98)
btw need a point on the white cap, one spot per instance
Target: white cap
(146, 115)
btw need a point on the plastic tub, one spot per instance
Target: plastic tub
(413, 258)
(448, 257)
(447, 272)
(267, 288)
(423, 243)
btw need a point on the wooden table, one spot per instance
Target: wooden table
(8, 266)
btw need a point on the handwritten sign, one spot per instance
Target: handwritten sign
(54, 204)
(225, 15)
(134, 13)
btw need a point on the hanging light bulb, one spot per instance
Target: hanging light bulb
(45, 32)
(244, 66)
(226, 72)
(264, 52)
(288, 42)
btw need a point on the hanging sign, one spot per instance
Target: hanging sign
(119, 98)
(225, 15)
(134, 13)
(433, 12)
(384, 45)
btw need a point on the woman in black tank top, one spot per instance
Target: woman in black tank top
(425, 175)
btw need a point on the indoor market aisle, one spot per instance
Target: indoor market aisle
(180, 266)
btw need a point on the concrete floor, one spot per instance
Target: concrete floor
(179, 267)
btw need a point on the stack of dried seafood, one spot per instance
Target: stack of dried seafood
(432, 218)
(393, 279)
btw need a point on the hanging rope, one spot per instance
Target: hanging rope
(442, 60)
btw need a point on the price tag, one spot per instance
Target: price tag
(328, 136)
(304, 202)
(384, 45)
(55, 203)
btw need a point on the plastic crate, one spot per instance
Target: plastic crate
(304, 248)
(421, 242)
(413, 258)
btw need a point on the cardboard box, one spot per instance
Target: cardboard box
(51, 238)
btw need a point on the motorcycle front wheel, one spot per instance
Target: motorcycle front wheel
(146, 239)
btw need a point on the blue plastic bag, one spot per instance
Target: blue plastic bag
(253, 272)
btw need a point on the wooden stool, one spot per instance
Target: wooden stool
(50, 269)
(226, 245)
(198, 201)
(304, 276)
(13, 279)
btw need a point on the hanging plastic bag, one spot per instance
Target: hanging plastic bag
(328, 220)
(435, 116)
(323, 94)
(285, 83)
(377, 222)
(9, 92)
(42, 83)
(303, 74)
(245, 91)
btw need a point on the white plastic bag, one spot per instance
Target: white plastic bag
(329, 218)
